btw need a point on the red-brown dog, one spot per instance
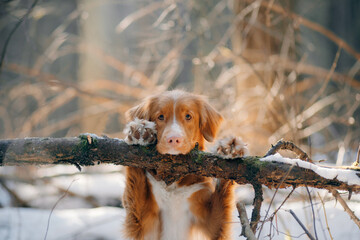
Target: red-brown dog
(195, 205)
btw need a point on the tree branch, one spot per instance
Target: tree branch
(302, 225)
(258, 198)
(170, 168)
(346, 207)
(246, 229)
(17, 25)
(284, 145)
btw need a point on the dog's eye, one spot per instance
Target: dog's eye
(188, 117)
(161, 117)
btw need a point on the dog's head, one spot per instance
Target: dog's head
(182, 120)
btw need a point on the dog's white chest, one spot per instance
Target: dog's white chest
(174, 207)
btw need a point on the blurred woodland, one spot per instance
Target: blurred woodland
(274, 68)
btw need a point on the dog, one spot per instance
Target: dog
(195, 205)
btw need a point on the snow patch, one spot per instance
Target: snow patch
(90, 224)
(343, 175)
(107, 223)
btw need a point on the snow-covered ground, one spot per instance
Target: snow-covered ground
(106, 223)
(74, 218)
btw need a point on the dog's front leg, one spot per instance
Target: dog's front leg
(142, 211)
(222, 200)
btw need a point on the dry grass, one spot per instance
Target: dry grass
(262, 89)
(244, 56)
(248, 57)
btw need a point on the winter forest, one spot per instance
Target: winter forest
(277, 70)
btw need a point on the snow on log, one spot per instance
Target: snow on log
(88, 149)
(348, 176)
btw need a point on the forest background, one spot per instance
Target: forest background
(274, 68)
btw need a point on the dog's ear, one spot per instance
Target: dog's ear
(138, 111)
(141, 111)
(210, 121)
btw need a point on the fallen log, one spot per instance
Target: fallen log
(88, 149)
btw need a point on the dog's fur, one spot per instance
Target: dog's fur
(193, 204)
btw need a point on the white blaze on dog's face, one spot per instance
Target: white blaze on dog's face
(182, 120)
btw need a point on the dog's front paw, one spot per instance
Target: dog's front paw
(140, 132)
(231, 147)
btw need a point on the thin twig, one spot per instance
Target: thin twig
(246, 229)
(289, 235)
(313, 26)
(356, 163)
(54, 80)
(281, 145)
(313, 212)
(302, 225)
(327, 79)
(272, 199)
(51, 177)
(91, 200)
(76, 116)
(53, 208)
(7, 41)
(300, 67)
(43, 112)
(326, 220)
(283, 202)
(336, 194)
(131, 18)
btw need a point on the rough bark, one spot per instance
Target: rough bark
(86, 151)
(246, 230)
